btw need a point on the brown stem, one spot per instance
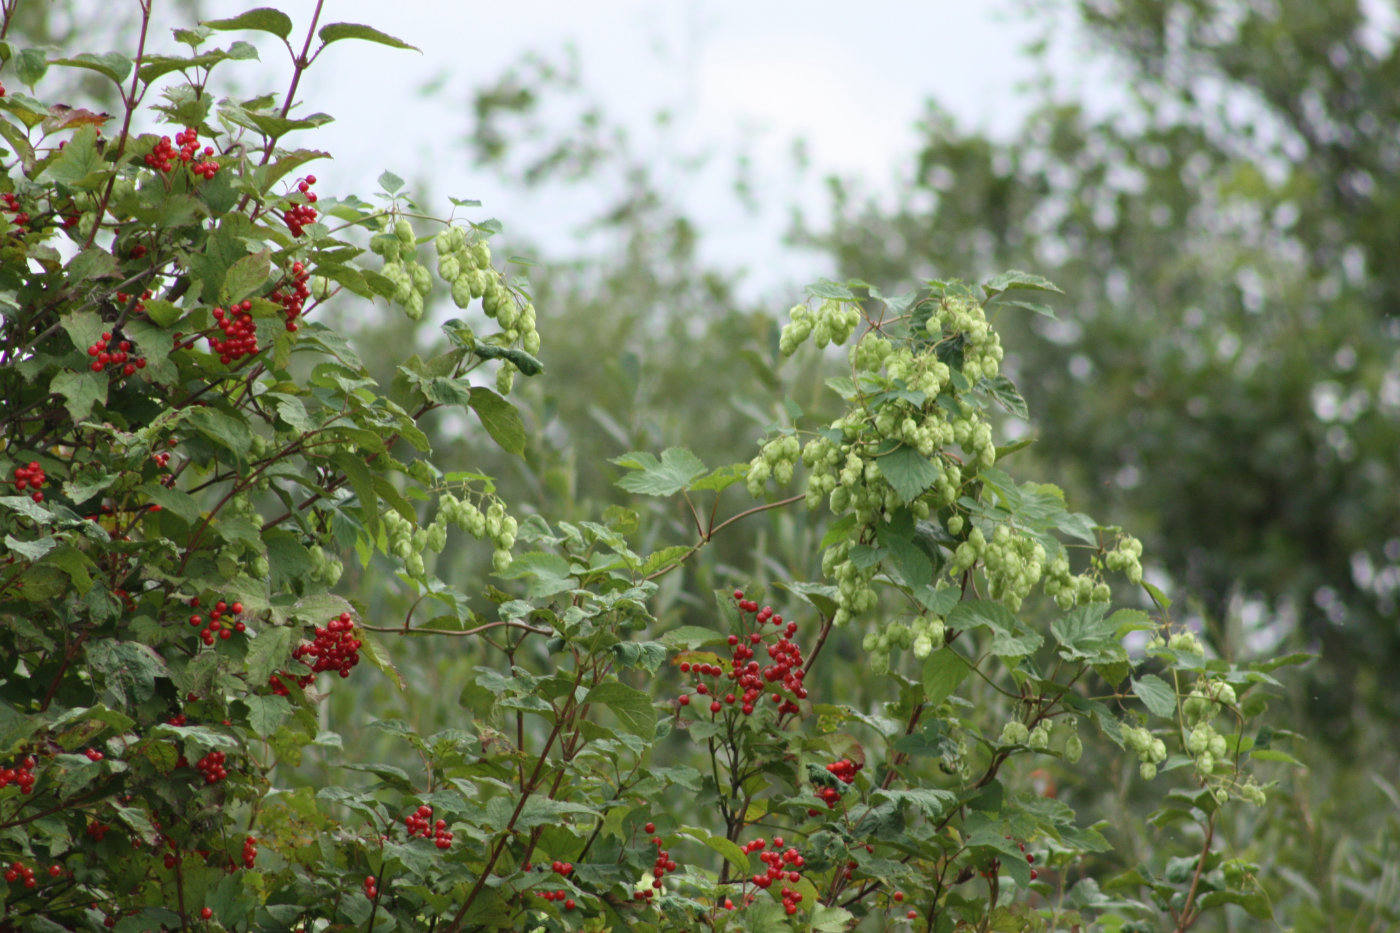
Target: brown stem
(131, 99)
(1188, 917)
(564, 715)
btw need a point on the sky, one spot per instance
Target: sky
(850, 80)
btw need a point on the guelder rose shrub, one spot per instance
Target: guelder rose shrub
(191, 455)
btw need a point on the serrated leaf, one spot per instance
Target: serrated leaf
(268, 653)
(1010, 636)
(500, 419)
(30, 550)
(81, 390)
(546, 574)
(828, 289)
(1156, 694)
(1007, 396)
(632, 707)
(722, 477)
(246, 276)
(689, 636)
(266, 713)
(675, 471)
(943, 671)
(334, 32)
(113, 65)
(907, 471)
(1014, 279)
(372, 653)
(730, 851)
(225, 430)
(30, 65)
(263, 19)
(78, 161)
(389, 182)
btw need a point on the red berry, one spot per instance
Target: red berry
(206, 912)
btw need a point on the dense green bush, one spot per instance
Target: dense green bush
(195, 457)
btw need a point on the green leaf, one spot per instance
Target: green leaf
(691, 636)
(1085, 633)
(1007, 396)
(30, 65)
(246, 276)
(901, 553)
(908, 471)
(263, 19)
(547, 573)
(389, 182)
(522, 361)
(1011, 636)
(632, 707)
(828, 289)
(83, 328)
(225, 430)
(722, 477)
(729, 850)
(500, 419)
(30, 550)
(932, 803)
(675, 471)
(1156, 694)
(266, 713)
(79, 161)
(81, 390)
(1014, 279)
(113, 65)
(268, 653)
(334, 32)
(944, 670)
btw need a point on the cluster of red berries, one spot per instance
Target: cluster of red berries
(335, 649)
(30, 477)
(569, 902)
(784, 865)
(250, 851)
(240, 334)
(140, 306)
(21, 774)
(371, 887)
(93, 755)
(212, 767)
(663, 866)
(20, 871)
(844, 771)
(217, 627)
(417, 823)
(785, 671)
(120, 358)
(298, 216)
(11, 206)
(292, 296)
(162, 157)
